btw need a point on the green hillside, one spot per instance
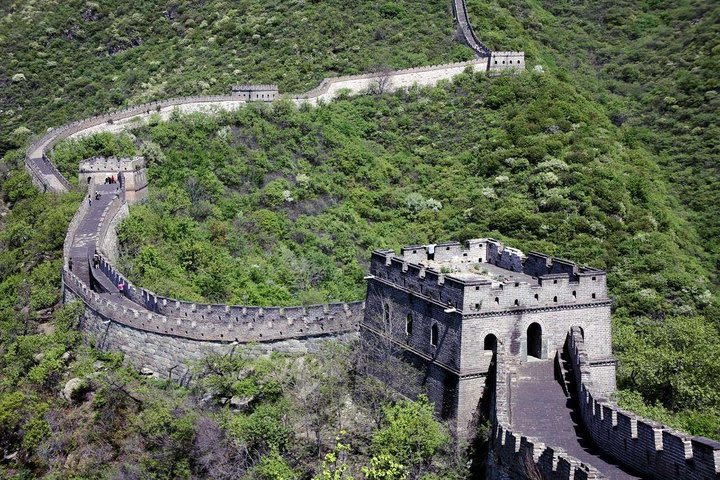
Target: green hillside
(609, 157)
(66, 60)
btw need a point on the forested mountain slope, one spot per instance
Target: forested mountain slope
(65, 60)
(609, 157)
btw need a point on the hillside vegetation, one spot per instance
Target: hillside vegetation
(608, 158)
(65, 60)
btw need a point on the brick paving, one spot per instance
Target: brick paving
(541, 410)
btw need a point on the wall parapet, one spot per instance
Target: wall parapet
(643, 445)
(220, 322)
(486, 277)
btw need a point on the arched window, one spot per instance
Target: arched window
(490, 343)
(408, 324)
(434, 335)
(517, 302)
(574, 294)
(555, 299)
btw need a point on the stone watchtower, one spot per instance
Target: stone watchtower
(128, 173)
(445, 310)
(255, 93)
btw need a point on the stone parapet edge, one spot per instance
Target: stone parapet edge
(643, 445)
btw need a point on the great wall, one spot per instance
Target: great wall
(528, 337)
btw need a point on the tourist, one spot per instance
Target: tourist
(121, 287)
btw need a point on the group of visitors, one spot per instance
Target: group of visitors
(110, 179)
(97, 197)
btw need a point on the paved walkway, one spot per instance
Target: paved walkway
(461, 15)
(540, 409)
(83, 246)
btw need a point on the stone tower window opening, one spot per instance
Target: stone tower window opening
(490, 343)
(537, 297)
(516, 302)
(409, 324)
(574, 294)
(555, 299)
(434, 335)
(497, 300)
(534, 340)
(593, 295)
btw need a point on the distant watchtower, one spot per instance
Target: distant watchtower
(255, 93)
(128, 173)
(446, 310)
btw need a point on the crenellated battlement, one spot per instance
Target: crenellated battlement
(111, 164)
(220, 322)
(641, 444)
(484, 276)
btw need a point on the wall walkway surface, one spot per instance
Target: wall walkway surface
(514, 455)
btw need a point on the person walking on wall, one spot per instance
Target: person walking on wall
(121, 287)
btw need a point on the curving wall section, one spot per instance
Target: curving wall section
(648, 447)
(519, 456)
(163, 334)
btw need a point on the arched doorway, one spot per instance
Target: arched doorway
(490, 343)
(534, 340)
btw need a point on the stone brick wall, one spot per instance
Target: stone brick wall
(47, 177)
(394, 80)
(646, 446)
(219, 322)
(559, 282)
(465, 310)
(500, 61)
(169, 356)
(255, 93)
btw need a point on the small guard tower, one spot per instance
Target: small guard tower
(128, 173)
